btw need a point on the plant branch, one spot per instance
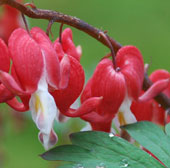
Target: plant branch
(83, 26)
(61, 18)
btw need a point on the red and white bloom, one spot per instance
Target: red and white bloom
(35, 65)
(46, 77)
(66, 97)
(118, 87)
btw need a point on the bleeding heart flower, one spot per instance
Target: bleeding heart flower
(9, 21)
(66, 97)
(35, 67)
(151, 110)
(118, 87)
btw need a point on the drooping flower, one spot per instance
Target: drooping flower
(66, 97)
(9, 21)
(35, 66)
(118, 87)
(151, 110)
(38, 67)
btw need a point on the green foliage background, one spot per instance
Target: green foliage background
(143, 23)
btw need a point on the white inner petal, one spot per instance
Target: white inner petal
(126, 113)
(44, 110)
(43, 107)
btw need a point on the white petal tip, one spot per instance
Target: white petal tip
(48, 141)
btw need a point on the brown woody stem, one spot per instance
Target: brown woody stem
(83, 26)
(61, 18)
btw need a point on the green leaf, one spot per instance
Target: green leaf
(67, 153)
(167, 129)
(101, 150)
(153, 138)
(71, 165)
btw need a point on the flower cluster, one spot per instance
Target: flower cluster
(47, 78)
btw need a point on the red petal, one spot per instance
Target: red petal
(110, 85)
(14, 75)
(161, 74)
(97, 121)
(130, 62)
(86, 91)
(16, 105)
(59, 50)
(102, 126)
(27, 59)
(65, 72)
(65, 98)
(10, 15)
(25, 100)
(5, 94)
(4, 57)
(50, 56)
(142, 110)
(12, 85)
(155, 89)
(87, 107)
(68, 45)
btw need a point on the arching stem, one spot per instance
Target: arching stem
(48, 31)
(106, 37)
(60, 32)
(25, 23)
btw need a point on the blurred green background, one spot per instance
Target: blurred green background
(144, 23)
